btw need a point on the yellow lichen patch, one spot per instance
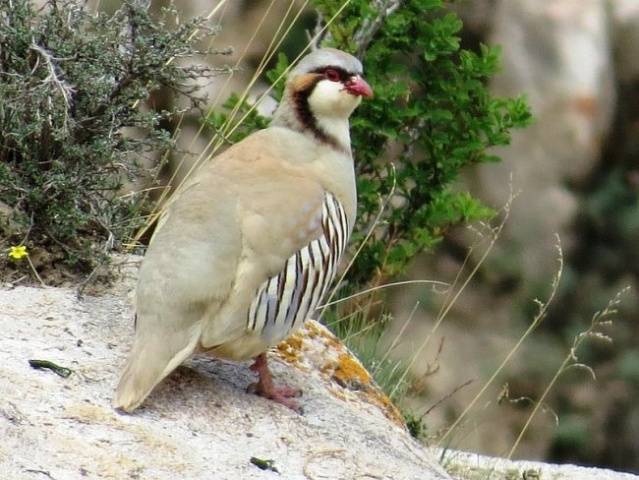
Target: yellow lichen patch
(377, 397)
(339, 365)
(334, 342)
(289, 350)
(311, 329)
(350, 373)
(329, 340)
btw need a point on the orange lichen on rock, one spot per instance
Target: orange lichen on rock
(315, 330)
(350, 373)
(314, 347)
(290, 349)
(379, 398)
(312, 330)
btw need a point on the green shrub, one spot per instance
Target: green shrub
(70, 83)
(432, 106)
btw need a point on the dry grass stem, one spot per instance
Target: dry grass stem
(448, 304)
(541, 313)
(571, 360)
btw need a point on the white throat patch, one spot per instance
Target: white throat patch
(331, 104)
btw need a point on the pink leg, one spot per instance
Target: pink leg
(265, 388)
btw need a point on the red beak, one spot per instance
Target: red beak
(357, 86)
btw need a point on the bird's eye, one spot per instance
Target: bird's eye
(332, 74)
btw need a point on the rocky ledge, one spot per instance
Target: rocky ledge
(199, 423)
(56, 419)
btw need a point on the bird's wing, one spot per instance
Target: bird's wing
(279, 212)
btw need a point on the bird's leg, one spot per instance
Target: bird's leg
(265, 388)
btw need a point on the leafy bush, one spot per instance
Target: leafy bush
(70, 83)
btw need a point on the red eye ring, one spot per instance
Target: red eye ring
(332, 75)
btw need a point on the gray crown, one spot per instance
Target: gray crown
(324, 57)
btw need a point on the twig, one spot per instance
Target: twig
(370, 26)
(43, 472)
(35, 272)
(65, 89)
(320, 34)
(46, 364)
(446, 397)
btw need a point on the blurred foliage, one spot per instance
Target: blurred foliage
(628, 369)
(602, 261)
(70, 82)
(431, 116)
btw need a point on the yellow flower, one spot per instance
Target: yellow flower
(17, 252)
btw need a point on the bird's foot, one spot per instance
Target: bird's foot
(265, 387)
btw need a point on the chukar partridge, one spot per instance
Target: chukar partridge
(248, 247)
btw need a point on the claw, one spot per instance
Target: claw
(264, 386)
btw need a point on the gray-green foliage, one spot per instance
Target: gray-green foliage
(70, 82)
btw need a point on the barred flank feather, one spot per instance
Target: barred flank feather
(284, 301)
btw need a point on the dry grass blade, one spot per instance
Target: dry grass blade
(384, 286)
(222, 89)
(160, 208)
(398, 337)
(448, 304)
(571, 360)
(543, 308)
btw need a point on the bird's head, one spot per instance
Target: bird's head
(331, 81)
(322, 91)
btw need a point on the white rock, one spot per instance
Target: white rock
(200, 423)
(470, 466)
(557, 53)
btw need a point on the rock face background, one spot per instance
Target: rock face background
(577, 175)
(577, 172)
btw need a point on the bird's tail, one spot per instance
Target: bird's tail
(151, 360)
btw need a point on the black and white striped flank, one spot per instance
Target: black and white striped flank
(285, 301)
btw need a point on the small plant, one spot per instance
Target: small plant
(416, 426)
(70, 85)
